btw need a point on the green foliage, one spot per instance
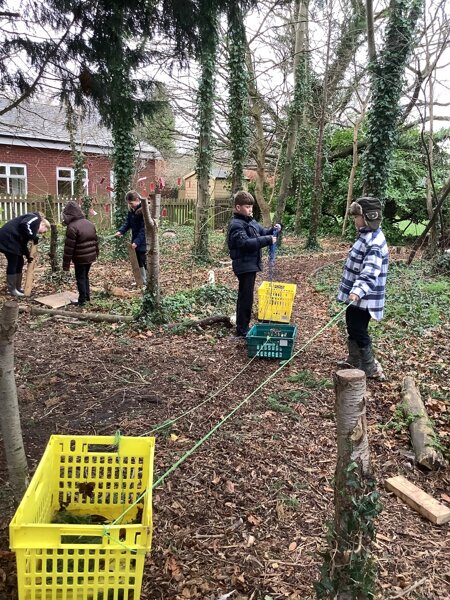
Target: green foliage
(441, 264)
(388, 73)
(191, 304)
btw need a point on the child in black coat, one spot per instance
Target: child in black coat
(14, 238)
(246, 237)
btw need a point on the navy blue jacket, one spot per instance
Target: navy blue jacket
(246, 237)
(135, 222)
(15, 234)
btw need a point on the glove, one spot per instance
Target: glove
(29, 259)
(35, 240)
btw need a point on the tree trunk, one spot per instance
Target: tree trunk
(348, 572)
(151, 221)
(260, 143)
(296, 109)
(423, 436)
(207, 61)
(53, 248)
(238, 95)
(317, 193)
(355, 160)
(9, 413)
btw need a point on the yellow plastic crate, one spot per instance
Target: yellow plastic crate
(85, 476)
(275, 301)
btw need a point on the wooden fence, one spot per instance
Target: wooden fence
(173, 210)
(52, 207)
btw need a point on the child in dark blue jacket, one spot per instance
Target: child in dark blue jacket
(135, 222)
(246, 237)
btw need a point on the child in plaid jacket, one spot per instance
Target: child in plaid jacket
(363, 284)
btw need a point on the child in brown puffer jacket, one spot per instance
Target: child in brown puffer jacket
(81, 248)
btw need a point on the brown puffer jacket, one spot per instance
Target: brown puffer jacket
(81, 246)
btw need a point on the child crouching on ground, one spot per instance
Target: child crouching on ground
(246, 237)
(363, 283)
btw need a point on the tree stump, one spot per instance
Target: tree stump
(348, 572)
(9, 413)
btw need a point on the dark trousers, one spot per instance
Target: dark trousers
(82, 277)
(141, 256)
(357, 321)
(244, 302)
(15, 263)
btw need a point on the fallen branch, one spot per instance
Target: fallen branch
(224, 319)
(96, 317)
(423, 436)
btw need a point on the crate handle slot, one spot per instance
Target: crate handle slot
(81, 539)
(102, 448)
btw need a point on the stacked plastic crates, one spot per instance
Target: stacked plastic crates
(274, 337)
(84, 525)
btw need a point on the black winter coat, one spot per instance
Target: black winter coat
(135, 222)
(246, 237)
(15, 234)
(81, 246)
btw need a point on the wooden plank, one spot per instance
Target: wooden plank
(30, 270)
(135, 265)
(425, 504)
(57, 300)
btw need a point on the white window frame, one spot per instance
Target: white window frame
(71, 179)
(8, 176)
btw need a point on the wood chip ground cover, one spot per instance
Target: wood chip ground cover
(248, 510)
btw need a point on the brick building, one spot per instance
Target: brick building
(36, 160)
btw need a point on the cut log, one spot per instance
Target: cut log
(30, 270)
(135, 265)
(422, 433)
(96, 317)
(425, 504)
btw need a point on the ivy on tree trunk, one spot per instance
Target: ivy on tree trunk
(238, 95)
(388, 72)
(207, 59)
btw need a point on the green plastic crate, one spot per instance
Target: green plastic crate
(271, 340)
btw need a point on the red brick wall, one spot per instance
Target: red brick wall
(42, 164)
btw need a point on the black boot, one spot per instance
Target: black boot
(11, 285)
(370, 365)
(354, 356)
(19, 283)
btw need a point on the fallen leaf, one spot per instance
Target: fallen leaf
(250, 540)
(229, 486)
(292, 546)
(173, 437)
(52, 401)
(254, 520)
(445, 497)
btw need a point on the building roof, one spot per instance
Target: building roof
(44, 126)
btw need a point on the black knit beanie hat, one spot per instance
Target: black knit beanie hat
(370, 208)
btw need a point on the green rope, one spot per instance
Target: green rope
(165, 424)
(226, 418)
